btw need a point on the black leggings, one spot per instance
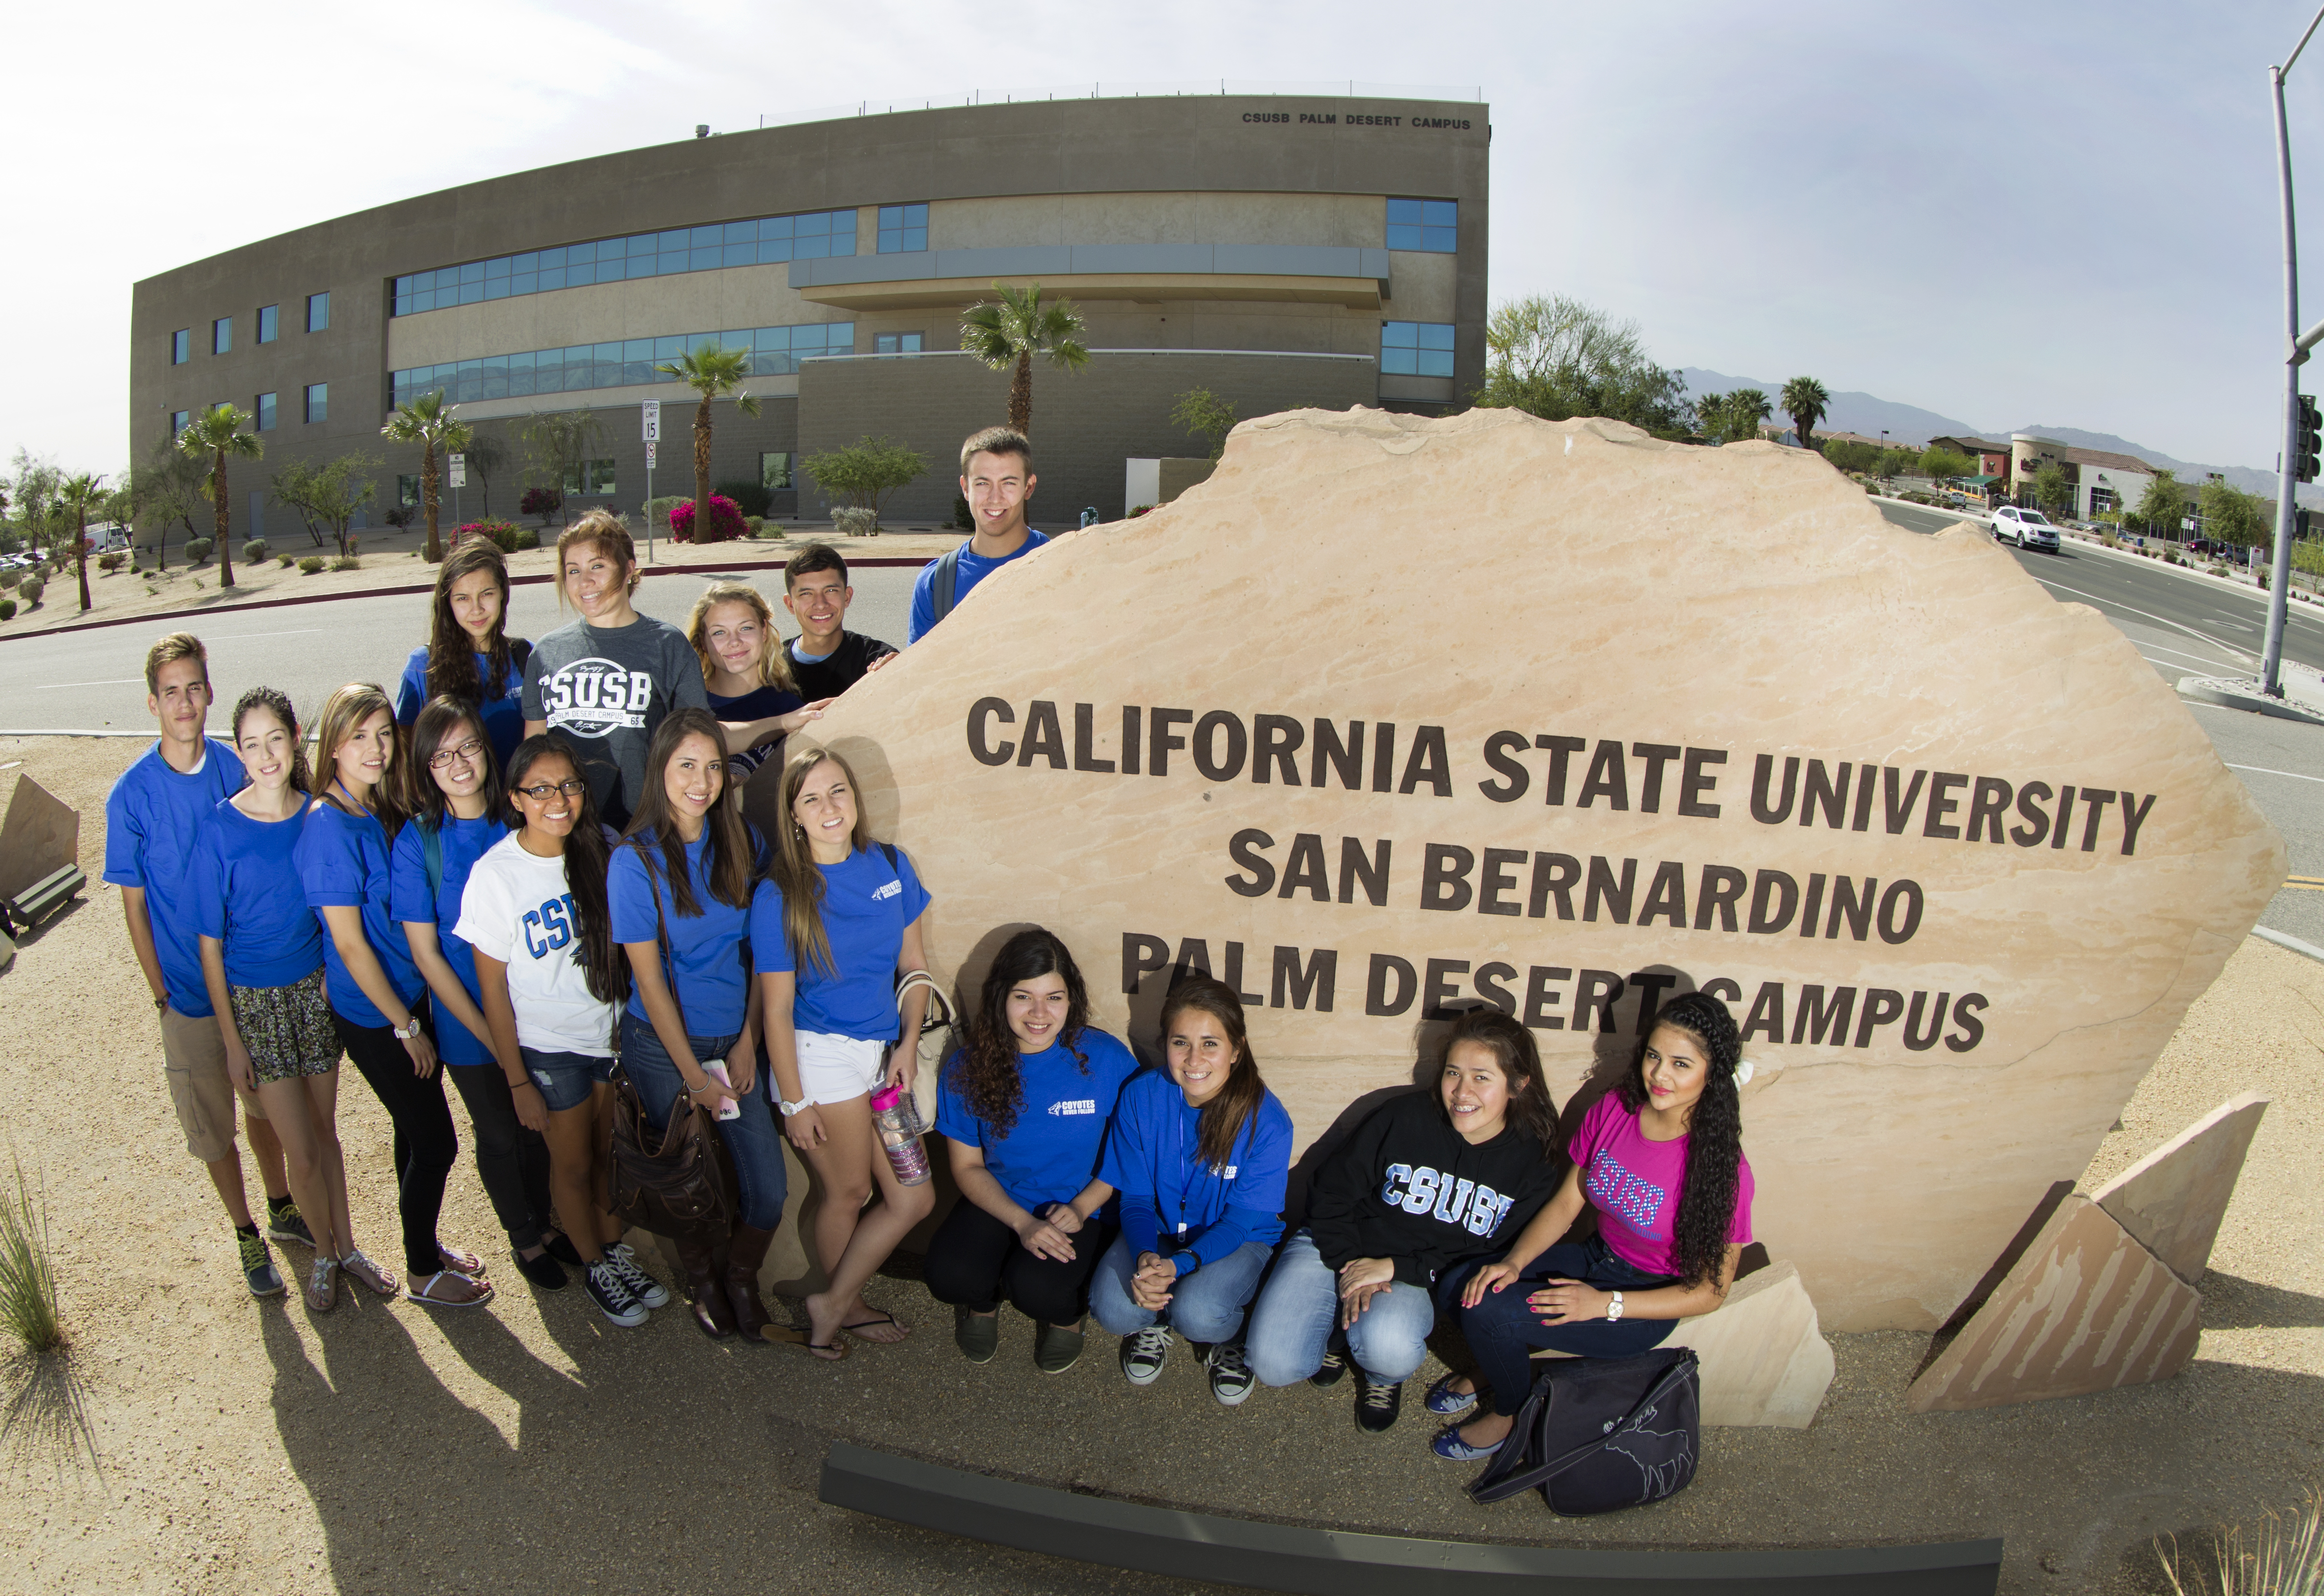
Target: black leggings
(510, 1160)
(975, 1260)
(425, 1142)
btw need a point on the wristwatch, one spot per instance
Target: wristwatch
(405, 1033)
(790, 1108)
(1614, 1309)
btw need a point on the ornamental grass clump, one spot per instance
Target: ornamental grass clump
(2284, 1558)
(28, 1278)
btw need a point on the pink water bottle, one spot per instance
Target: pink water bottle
(897, 1120)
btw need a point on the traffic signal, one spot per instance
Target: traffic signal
(2311, 439)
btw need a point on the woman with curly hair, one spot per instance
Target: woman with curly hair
(1660, 1158)
(1025, 1106)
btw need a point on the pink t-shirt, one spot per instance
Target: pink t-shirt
(1634, 1183)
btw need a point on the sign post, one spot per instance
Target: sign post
(459, 464)
(652, 419)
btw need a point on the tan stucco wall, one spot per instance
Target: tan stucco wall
(1346, 220)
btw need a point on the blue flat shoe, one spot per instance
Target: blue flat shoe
(1449, 1446)
(1444, 1401)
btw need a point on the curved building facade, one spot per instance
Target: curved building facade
(1277, 251)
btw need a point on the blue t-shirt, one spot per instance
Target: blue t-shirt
(153, 818)
(974, 568)
(867, 905)
(1151, 1159)
(706, 949)
(246, 894)
(1051, 1152)
(503, 710)
(463, 842)
(343, 863)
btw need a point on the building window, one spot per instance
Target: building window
(266, 412)
(407, 491)
(1416, 348)
(896, 344)
(267, 319)
(775, 352)
(1430, 225)
(594, 477)
(903, 229)
(181, 345)
(775, 472)
(180, 420)
(764, 241)
(319, 402)
(222, 334)
(319, 312)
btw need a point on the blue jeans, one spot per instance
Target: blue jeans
(752, 1141)
(1502, 1331)
(1206, 1306)
(1297, 1314)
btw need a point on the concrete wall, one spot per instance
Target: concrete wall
(1085, 423)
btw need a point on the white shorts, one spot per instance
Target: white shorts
(836, 1069)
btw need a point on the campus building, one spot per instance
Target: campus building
(2098, 481)
(1278, 251)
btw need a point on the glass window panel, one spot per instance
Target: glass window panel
(578, 276)
(551, 277)
(319, 312)
(1441, 213)
(181, 345)
(550, 259)
(702, 238)
(1399, 363)
(739, 254)
(706, 259)
(473, 271)
(1404, 211)
(266, 323)
(675, 238)
(1399, 334)
(266, 412)
(668, 347)
(743, 339)
(496, 288)
(524, 283)
(1400, 236)
(319, 402)
(608, 362)
(528, 262)
(1435, 335)
(496, 268)
(470, 292)
(774, 227)
(1435, 363)
(222, 334)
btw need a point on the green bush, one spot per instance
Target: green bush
(111, 562)
(198, 550)
(854, 521)
(656, 511)
(7, 609)
(30, 590)
(346, 563)
(960, 515)
(752, 498)
(288, 560)
(311, 564)
(527, 538)
(255, 550)
(27, 1277)
(9, 578)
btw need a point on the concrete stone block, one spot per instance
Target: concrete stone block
(2085, 1309)
(2173, 1199)
(40, 836)
(1764, 1360)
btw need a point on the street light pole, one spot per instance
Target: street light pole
(2295, 354)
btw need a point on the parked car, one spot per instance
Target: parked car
(1954, 500)
(2028, 529)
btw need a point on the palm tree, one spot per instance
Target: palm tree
(215, 433)
(1805, 402)
(77, 492)
(428, 423)
(1016, 329)
(715, 371)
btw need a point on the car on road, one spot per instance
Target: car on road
(2028, 529)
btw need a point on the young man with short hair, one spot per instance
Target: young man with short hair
(996, 477)
(152, 817)
(825, 657)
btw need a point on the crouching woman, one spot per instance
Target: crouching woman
(1660, 1158)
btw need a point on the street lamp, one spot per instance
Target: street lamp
(2297, 345)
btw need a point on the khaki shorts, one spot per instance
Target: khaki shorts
(193, 1058)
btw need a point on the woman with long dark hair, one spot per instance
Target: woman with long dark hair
(1660, 1158)
(680, 898)
(1427, 1183)
(549, 982)
(469, 654)
(1201, 1155)
(1024, 1107)
(836, 921)
(375, 989)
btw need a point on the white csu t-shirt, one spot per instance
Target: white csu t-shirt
(518, 908)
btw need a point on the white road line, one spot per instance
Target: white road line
(2215, 641)
(2197, 659)
(235, 636)
(119, 681)
(2263, 770)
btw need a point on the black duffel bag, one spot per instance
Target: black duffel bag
(1599, 1434)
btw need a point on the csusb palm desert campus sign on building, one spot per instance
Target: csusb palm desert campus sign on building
(1278, 251)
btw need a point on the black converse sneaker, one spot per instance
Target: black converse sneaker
(612, 1295)
(648, 1291)
(1143, 1353)
(1333, 1369)
(1231, 1377)
(1377, 1404)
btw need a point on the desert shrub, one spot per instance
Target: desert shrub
(28, 1278)
(198, 550)
(1137, 509)
(311, 564)
(658, 510)
(750, 497)
(501, 532)
(9, 580)
(30, 589)
(725, 521)
(402, 516)
(960, 515)
(853, 520)
(7, 609)
(349, 563)
(111, 562)
(255, 550)
(287, 560)
(543, 503)
(528, 538)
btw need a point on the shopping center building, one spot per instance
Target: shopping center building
(1278, 251)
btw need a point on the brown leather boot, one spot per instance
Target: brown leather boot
(706, 1282)
(746, 1250)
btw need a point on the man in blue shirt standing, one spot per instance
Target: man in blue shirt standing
(152, 817)
(996, 477)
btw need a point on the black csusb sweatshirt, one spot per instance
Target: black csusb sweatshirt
(1407, 1187)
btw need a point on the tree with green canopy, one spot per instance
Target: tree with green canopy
(1557, 357)
(2160, 508)
(216, 435)
(865, 473)
(326, 497)
(1807, 402)
(559, 445)
(1733, 418)
(1010, 332)
(1204, 415)
(2233, 516)
(429, 422)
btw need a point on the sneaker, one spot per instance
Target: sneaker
(611, 1293)
(977, 1335)
(1231, 1377)
(1143, 1353)
(561, 1249)
(541, 1269)
(1056, 1348)
(1444, 1401)
(258, 1270)
(286, 1223)
(1377, 1404)
(647, 1290)
(1333, 1368)
(1449, 1446)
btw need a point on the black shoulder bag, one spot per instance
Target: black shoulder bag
(1599, 1434)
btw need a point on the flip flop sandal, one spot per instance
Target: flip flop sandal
(423, 1291)
(323, 1286)
(459, 1262)
(355, 1266)
(826, 1352)
(862, 1324)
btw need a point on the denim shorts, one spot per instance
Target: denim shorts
(566, 1079)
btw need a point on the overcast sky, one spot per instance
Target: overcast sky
(2012, 214)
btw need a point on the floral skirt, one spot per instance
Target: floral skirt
(287, 1030)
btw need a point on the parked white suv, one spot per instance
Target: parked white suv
(2025, 528)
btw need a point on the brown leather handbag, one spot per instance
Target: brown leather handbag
(679, 1181)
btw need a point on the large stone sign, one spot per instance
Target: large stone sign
(1395, 714)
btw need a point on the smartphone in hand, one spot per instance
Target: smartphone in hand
(716, 1071)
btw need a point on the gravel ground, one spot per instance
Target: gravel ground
(198, 1441)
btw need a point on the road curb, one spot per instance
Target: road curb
(2308, 950)
(2233, 692)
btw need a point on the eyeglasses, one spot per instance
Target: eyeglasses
(572, 788)
(466, 752)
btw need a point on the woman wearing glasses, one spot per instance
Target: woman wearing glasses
(456, 816)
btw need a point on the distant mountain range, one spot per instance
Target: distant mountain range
(1867, 414)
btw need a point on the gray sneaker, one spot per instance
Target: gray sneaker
(1231, 1377)
(612, 1295)
(647, 1290)
(258, 1270)
(1143, 1353)
(288, 1224)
